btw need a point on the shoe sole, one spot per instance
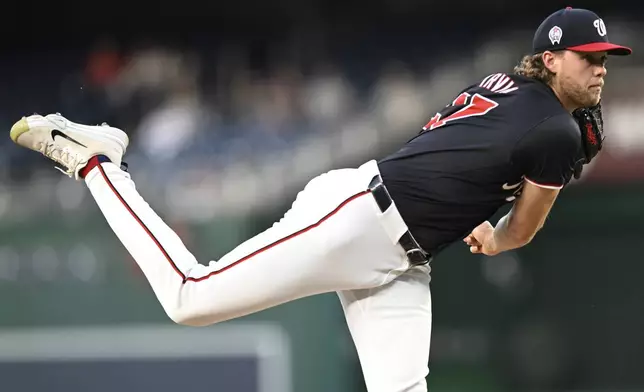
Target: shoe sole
(18, 129)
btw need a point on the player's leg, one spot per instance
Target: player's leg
(391, 328)
(333, 238)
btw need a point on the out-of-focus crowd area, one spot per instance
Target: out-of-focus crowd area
(231, 108)
(221, 124)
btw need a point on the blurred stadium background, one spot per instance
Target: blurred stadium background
(231, 107)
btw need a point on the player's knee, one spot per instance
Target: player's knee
(183, 316)
(190, 320)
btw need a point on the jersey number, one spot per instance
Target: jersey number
(475, 105)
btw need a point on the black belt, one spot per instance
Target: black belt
(415, 253)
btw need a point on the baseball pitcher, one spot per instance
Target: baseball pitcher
(369, 233)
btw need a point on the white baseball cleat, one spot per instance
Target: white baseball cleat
(69, 144)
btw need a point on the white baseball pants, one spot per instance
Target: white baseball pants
(334, 238)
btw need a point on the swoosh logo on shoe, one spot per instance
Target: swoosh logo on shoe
(56, 132)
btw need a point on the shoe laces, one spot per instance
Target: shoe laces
(62, 155)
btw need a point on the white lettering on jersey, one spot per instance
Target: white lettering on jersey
(499, 83)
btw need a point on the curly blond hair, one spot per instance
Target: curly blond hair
(532, 66)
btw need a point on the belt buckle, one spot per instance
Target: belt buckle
(417, 256)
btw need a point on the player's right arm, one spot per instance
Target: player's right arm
(519, 226)
(525, 219)
(547, 155)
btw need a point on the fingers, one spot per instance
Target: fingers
(475, 245)
(470, 240)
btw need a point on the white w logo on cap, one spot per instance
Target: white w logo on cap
(600, 26)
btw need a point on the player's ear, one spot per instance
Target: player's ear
(552, 61)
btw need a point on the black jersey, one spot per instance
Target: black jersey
(473, 156)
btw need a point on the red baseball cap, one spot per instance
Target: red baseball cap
(575, 29)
